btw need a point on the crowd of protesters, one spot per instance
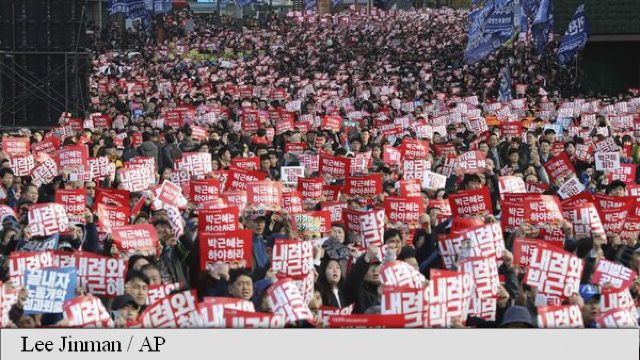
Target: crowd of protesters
(392, 82)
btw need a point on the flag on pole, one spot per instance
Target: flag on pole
(575, 38)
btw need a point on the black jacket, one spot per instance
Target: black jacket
(363, 294)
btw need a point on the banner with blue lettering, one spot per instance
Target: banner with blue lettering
(335, 3)
(49, 289)
(310, 5)
(243, 3)
(50, 243)
(575, 38)
(490, 26)
(117, 6)
(162, 6)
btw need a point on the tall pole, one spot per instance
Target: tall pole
(369, 3)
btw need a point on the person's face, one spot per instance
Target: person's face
(474, 185)
(242, 288)
(376, 153)
(31, 194)
(493, 141)
(316, 301)
(8, 236)
(7, 180)
(333, 272)
(545, 147)
(154, 276)
(273, 160)
(373, 274)
(215, 166)
(138, 289)
(590, 310)
(167, 173)
(129, 312)
(265, 164)
(514, 157)
(259, 226)
(570, 149)
(365, 136)
(551, 138)
(91, 189)
(226, 156)
(395, 242)
(337, 233)
(483, 147)
(618, 191)
(356, 146)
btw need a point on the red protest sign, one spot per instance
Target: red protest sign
(410, 188)
(295, 148)
(22, 165)
(390, 155)
(212, 310)
(74, 202)
(625, 173)
(159, 292)
(310, 188)
(471, 202)
(559, 167)
(111, 216)
(335, 208)
(100, 168)
(227, 247)
(403, 209)
(585, 220)
(471, 162)
(368, 224)
(411, 303)
(400, 274)
(412, 149)
(542, 209)
(367, 185)
(618, 318)
(377, 321)
(44, 172)
(218, 220)
(264, 194)
(291, 201)
(450, 296)
(250, 163)
(555, 273)
(237, 319)
(195, 163)
(98, 275)
(560, 317)
(284, 298)
(170, 193)
(614, 274)
(136, 178)
(479, 241)
(132, 239)
(484, 274)
(292, 258)
(511, 184)
(74, 157)
(47, 219)
(238, 178)
(204, 190)
(175, 311)
(47, 146)
(113, 197)
(330, 122)
(87, 312)
(331, 192)
(16, 146)
(337, 167)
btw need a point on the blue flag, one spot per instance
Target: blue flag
(310, 5)
(335, 3)
(490, 27)
(504, 91)
(542, 25)
(117, 6)
(575, 38)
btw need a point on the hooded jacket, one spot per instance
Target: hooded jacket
(148, 148)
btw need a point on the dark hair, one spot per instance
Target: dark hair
(146, 136)
(234, 274)
(134, 258)
(150, 266)
(389, 233)
(5, 171)
(616, 184)
(326, 290)
(135, 274)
